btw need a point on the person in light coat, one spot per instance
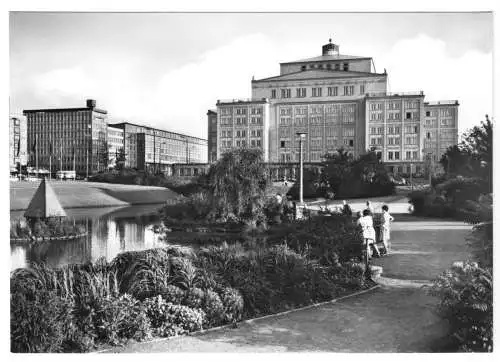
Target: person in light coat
(366, 223)
(386, 227)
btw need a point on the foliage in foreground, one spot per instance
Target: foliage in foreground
(165, 292)
(466, 302)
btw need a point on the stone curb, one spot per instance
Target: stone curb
(250, 321)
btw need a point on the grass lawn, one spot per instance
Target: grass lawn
(90, 194)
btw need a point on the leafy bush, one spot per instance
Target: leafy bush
(466, 301)
(143, 274)
(169, 319)
(173, 294)
(194, 298)
(120, 319)
(40, 322)
(214, 309)
(183, 272)
(233, 304)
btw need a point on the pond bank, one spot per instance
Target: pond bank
(91, 194)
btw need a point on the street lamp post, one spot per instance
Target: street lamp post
(302, 136)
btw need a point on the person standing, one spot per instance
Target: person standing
(386, 227)
(369, 207)
(366, 223)
(346, 209)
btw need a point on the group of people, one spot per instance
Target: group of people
(365, 220)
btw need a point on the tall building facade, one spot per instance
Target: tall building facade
(18, 142)
(152, 149)
(115, 145)
(440, 127)
(394, 130)
(243, 123)
(68, 138)
(212, 135)
(339, 101)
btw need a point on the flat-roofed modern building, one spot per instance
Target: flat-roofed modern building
(155, 150)
(18, 146)
(243, 123)
(394, 129)
(69, 138)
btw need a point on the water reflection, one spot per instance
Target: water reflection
(110, 232)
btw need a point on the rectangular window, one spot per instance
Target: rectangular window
(282, 144)
(286, 93)
(346, 67)
(273, 93)
(408, 115)
(415, 155)
(427, 113)
(337, 66)
(396, 155)
(351, 143)
(390, 155)
(408, 155)
(316, 92)
(301, 92)
(362, 89)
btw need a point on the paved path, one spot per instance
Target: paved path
(397, 317)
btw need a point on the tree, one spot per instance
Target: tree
(120, 159)
(474, 155)
(104, 156)
(237, 185)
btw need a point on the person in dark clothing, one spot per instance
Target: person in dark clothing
(346, 209)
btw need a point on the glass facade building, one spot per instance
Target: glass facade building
(69, 138)
(152, 149)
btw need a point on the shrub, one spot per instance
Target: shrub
(173, 294)
(120, 319)
(40, 322)
(169, 319)
(194, 298)
(466, 301)
(143, 274)
(233, 305)
(214, 309)
(183, 272)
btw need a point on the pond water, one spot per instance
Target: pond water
(110, 232)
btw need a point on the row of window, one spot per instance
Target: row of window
(379, 106)
(329, 66)
(317, 92)
(395, 155)
(379, 116)
(442, 112)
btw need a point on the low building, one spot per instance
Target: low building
(155, 150)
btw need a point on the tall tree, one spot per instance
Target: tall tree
(120, 159)
(237, 184)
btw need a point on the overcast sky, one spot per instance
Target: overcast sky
(167, 69)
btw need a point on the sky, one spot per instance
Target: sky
(167, 69)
